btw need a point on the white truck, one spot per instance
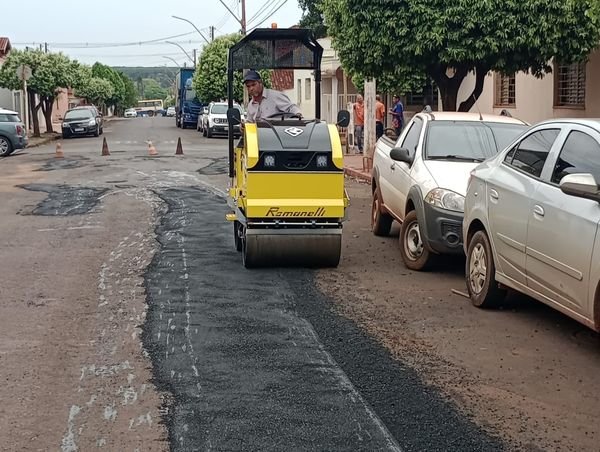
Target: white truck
(420, 179)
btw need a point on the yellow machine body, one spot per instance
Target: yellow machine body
(289, 212)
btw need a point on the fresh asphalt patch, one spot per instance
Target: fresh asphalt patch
(64, 200)
(61, 164)
(216, 167)
(258, 360)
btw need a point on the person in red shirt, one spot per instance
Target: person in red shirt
(379, 116)
(359, 122)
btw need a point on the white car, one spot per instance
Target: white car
(421, 178)
(215, 121)
(171, 111)
(532, 220)
(130, 113)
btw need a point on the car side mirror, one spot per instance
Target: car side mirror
(401, 155)
(234, 116)
(343, 118)
(582, 185)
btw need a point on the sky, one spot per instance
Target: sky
(104, 31)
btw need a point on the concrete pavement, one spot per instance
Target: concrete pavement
(358, 166)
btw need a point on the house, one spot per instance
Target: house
(9, 99)
(571, 90)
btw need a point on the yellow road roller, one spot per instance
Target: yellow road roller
(286, 173)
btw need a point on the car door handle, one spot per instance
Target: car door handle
(494, 194)
(538, 210)
(393, 167)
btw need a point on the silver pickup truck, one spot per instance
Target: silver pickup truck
(420, 179)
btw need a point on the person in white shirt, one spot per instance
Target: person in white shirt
(265, 102)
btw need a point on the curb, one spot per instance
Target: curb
(358, 175)
(42, 141)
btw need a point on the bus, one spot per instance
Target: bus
(149, 107)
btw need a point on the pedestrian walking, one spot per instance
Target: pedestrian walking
(379, 116)
(359, 122)
(397, 115)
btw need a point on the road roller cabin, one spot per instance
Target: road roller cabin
(287, 173)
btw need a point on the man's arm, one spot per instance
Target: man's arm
(285, 105)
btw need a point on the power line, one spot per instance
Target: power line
(265, 5)
(99, 45)
(271, 13)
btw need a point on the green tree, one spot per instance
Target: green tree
(95, 90)
(449, 40)
(130, 97)
(210, 77)
(312, 17)
(117, 98)
(152, 89)
(50, 73)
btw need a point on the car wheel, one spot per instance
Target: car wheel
(481, 273)
(381, 222)
(5, 147)
(415, 253)
(65, 135)
(209, 133)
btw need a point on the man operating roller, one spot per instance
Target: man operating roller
(265, 102)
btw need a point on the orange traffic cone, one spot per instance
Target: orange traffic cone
(59, 152)
(105, 150)
(179, 150)
(151, 149)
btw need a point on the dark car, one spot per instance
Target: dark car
(82, 121)
(12, 132)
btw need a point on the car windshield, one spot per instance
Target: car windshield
(78, 114)
(468, 140)
(218, 109)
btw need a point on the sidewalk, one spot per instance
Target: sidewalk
(358, 166)
(43, 139)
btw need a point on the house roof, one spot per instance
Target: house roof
(4, 46)
(282, 79)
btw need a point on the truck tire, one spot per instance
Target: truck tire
(415, 252)
(381, 222)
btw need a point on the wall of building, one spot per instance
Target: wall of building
(534, 97)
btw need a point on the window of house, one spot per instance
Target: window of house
(530, 154)
(307, 89)
(505, 90)
(299, 91)
(569, 82)
(580, 154)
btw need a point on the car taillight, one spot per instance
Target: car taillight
(19, 128)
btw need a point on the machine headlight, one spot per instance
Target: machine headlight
(269, 160)
(321, 161)
(446, 199)
(92, 122)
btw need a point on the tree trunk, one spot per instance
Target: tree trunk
(448, 86)
(480, 73)
(47, 107)
(34, 113)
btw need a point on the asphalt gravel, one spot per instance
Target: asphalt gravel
(258, 360)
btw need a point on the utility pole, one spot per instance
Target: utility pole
(45, 47)
(243, 20)
(194, 57)
(212, 33)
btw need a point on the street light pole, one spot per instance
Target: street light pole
(186, 54)
(169, 58)
(189, 22)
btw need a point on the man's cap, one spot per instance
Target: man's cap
(251, 75)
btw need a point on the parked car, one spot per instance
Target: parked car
(203, 116)
(95, 112)
(216, 122)
(81, 121)
(421, 178)
(532, 221)
(13, 134)
(171, 111)
(130, 113)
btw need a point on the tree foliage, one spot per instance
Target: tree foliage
(448, 40)
(312, 17)
(50, 73)
(210, 77)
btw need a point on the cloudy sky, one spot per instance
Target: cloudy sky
(133, 32)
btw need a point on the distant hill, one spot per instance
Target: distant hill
(164, 75)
